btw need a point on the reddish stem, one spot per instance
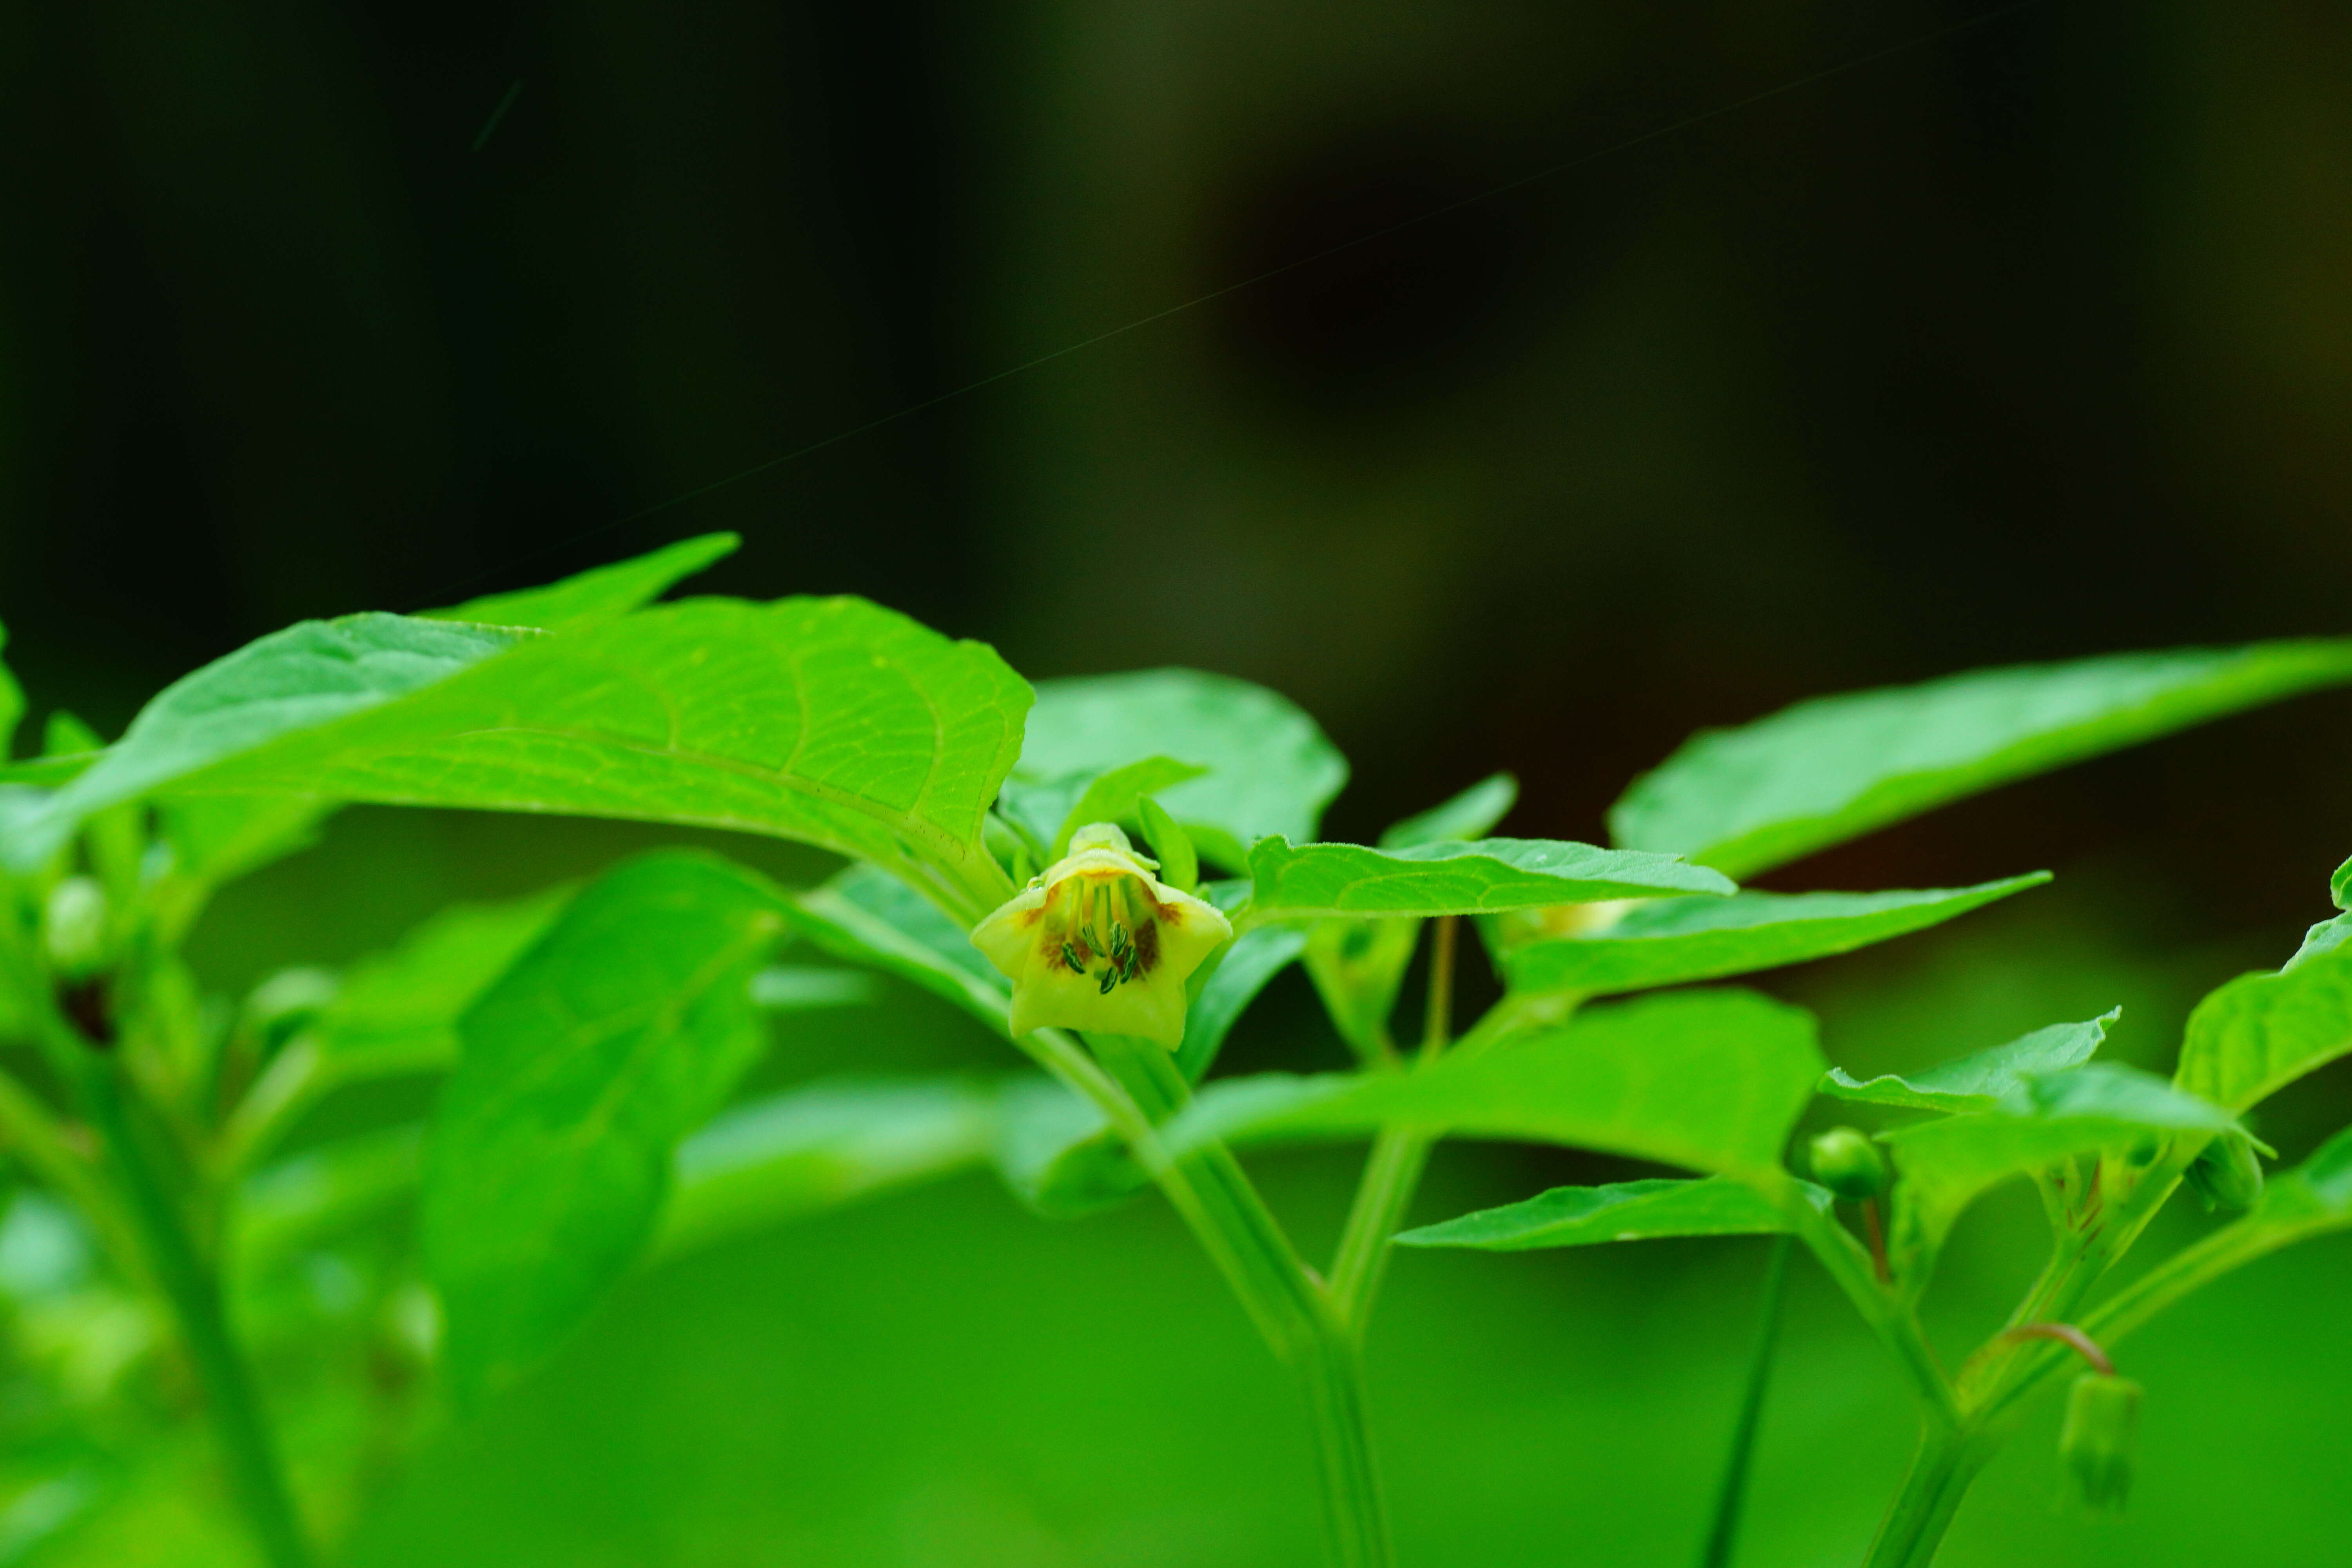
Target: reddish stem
(2070, 1336)
(1877, 1240)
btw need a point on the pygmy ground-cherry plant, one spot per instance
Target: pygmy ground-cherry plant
(1105, 872)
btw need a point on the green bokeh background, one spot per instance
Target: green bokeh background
(2030, 340)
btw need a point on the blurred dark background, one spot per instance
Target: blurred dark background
(2028, 335)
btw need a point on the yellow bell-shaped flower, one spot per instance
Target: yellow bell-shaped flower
(1098, 944)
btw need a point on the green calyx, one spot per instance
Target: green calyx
(1848, 1164)
(2227, 1175)
(2100, 1438)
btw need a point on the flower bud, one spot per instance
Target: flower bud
(1180, 864)
(1848, 1164)
(2097, 1442)
(73, 927)
(2227, 1175)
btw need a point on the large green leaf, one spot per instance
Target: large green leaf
(1978, 1080)
(1622, 1211)
(1941, 1166)
(2260, 1032)
(1291, 881)
(1270, 768)
(1470, 815)
(216, 838)
(1672, 940)
(304, 679)
(2339, 887)
(599, 594)
(623, 1029)
(1711, 1081)
(819, 1146)
(828, 721)
(1748, 799)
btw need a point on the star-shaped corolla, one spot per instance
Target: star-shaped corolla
(1098, 944)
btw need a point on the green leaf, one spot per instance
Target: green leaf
(12, 703)
(622, 1029)
(1270, 769)
(795, 988)
(1357, 966)
(1293, 882)
(1711, 1080)
(1668, 942)
(1977, 1081)
(1820, 772)
(299, 1203)
(48, 771)
(304, 678)
(2340, 887)
(1470, 815)
(1055, 1152)
(2260, 1032)
(866, 916)
(1622, 1211)
(1117, 796)
(827, 720)
(1942, 1166)
(817, 1147)
(2324, 937)
(397, 1012)
(593, 597)
(1246, 967)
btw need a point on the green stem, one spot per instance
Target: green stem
(195, 1293)
(1850, 1265)
(1356, 1525)
(1293, 1310)
(1945, 1467)
(1391, 1174)
(1732, 1494)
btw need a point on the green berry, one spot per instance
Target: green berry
(1848, 1164)
(73, 928)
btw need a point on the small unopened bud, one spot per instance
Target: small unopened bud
(73, 927)
(2097, 1443)
(1848, 1164)
(1014, 850)
(1180, 863)
(2227, 1175)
